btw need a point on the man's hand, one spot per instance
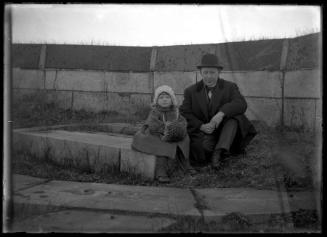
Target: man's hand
(207, 128)
(217, 119)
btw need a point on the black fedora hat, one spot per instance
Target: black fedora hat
(209, 60)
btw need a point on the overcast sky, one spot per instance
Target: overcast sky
(149, 25)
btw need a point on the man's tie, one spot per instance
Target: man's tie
(209, 92)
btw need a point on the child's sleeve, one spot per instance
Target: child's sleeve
(154, 124)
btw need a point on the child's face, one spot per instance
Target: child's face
(164, 100)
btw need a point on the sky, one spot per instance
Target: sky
(159, 24)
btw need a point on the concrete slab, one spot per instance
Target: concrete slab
(257, 205)
(27, 79)
(303, 83)
(181, 57)
(62, 99)
(178, 81)
(23, 181)
(318, 122)
(50, 79)
(300, 113)
(25, 55)
(170, 201)
(256, 83)
(132, 161)
(94, 151)
(267, 110)
(91, 222)
(302, 200)
(89, 101)
(95, 57)
(83, 150)
(127, 82)
(80, 80)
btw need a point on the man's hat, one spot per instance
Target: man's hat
(210, 60)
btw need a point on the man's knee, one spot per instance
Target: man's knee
(231, 122)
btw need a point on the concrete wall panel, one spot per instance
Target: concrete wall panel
(79, 80)
(128, 82)
(182, 57)
(178, 81)
(18, 93)
(27, 79)
(92, 57)
(267, 110)
(300, 113)
(303, 83)
(305, 52)
(26, 55)
(62, 99)
(261, 83)
(318, 125)
(89, 101)
(128, 104)
(50, 79)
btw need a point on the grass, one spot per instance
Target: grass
(259, 168)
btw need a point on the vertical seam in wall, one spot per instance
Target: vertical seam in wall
(153, 59)
(315, 120)
(72, 101)
(282, 68)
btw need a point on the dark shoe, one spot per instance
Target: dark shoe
(216, 160)
(192, 171)
(163, 179)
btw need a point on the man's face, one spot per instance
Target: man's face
(210, 75)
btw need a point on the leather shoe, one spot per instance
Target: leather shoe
(216, 160)
(163, 179)
(191, 171)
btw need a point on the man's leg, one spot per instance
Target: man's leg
(227, 135)
(208, 144)
(226, 138)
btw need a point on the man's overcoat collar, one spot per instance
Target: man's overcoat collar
(200, 84)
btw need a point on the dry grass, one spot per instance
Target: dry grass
(270, 158)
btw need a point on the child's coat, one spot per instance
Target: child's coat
(148, 139)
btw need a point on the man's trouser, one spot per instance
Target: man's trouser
(221, 138)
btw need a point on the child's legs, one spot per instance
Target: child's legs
(161, 166)
(183, 161)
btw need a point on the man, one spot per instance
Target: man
(214, 109)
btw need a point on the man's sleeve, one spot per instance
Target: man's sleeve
(237, 104)
(193, 123)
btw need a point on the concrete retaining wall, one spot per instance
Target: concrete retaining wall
(127, 92)
(123, 79)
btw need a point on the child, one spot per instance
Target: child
(164, 134)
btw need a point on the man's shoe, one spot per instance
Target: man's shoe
(163, 179)
(216, 160)
(192, 171)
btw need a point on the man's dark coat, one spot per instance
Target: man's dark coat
(226, 98)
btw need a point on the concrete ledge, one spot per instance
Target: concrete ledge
(97, 152)
(132, 161)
